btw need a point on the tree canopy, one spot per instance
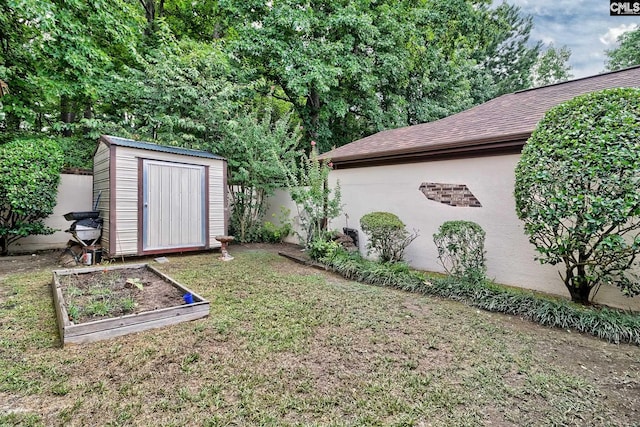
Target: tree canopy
(176, 71)
(578, 190)
(354, 68)
(552, 67)
(627, 53)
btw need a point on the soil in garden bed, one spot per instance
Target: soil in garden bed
(112, 293)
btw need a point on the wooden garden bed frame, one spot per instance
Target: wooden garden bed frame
(71, 333)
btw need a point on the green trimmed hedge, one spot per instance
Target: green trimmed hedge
(387, 234)
(612, 325)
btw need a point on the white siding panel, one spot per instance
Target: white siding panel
(101, 187)
(216, 203)
(126, 192)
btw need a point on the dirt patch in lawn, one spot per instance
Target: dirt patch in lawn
(112, 293)
(287, 344)
(14, 264)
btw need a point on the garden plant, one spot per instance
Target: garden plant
(308, 186)
(578, 191)
(461, 252)
(388, 236)
(29, 176)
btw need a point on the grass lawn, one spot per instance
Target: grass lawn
(290, 345)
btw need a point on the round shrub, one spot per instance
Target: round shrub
(29, 177)
(387, 234)
(460, 247)
(577, 190)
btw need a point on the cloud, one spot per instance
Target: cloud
(611, 36)
(584, 26)
(551, 8)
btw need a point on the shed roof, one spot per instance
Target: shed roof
(123, 142)
(504, 123)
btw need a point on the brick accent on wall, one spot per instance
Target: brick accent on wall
(450, 194)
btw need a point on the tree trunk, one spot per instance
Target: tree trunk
(12, 122)
(88, 114)
(578, 286)
(151, 12)
(313, 108)
(4, 246)
(66, 114)
(580, 294)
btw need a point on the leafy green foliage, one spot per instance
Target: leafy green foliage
(353, 266)
(460, 247)
(77, 152)
(354, 68)
(178, 93)
(322, 247)
(387, 234)
(279, 229)
(317, 204)
(578, 190)
(552, 66)
(272, 233)
(176, 72)
(627, 54)
(29, 176)
(256, 145)
(611, 325)
(507, 55)
(54, 66)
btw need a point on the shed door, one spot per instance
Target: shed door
(173, 205)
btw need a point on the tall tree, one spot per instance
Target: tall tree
(354, 68)
(18, 64)
(255, 143)
(627, 53)
(179, 93)
(507, 55)
(552, 66)
(153, 11)
(54, 55)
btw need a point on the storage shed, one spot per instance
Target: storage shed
(157, 199)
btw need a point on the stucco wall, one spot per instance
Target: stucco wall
(74, 194)
(282, 200)
(395, 188)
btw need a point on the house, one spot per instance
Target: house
(157, 199)
(462, 168)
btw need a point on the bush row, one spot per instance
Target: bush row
(612, 325)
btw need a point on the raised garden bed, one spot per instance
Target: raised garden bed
(97, 303)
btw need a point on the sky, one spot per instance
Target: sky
(584, 26)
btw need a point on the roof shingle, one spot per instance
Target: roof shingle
(510, 117)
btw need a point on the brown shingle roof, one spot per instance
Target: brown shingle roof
(504, 121)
